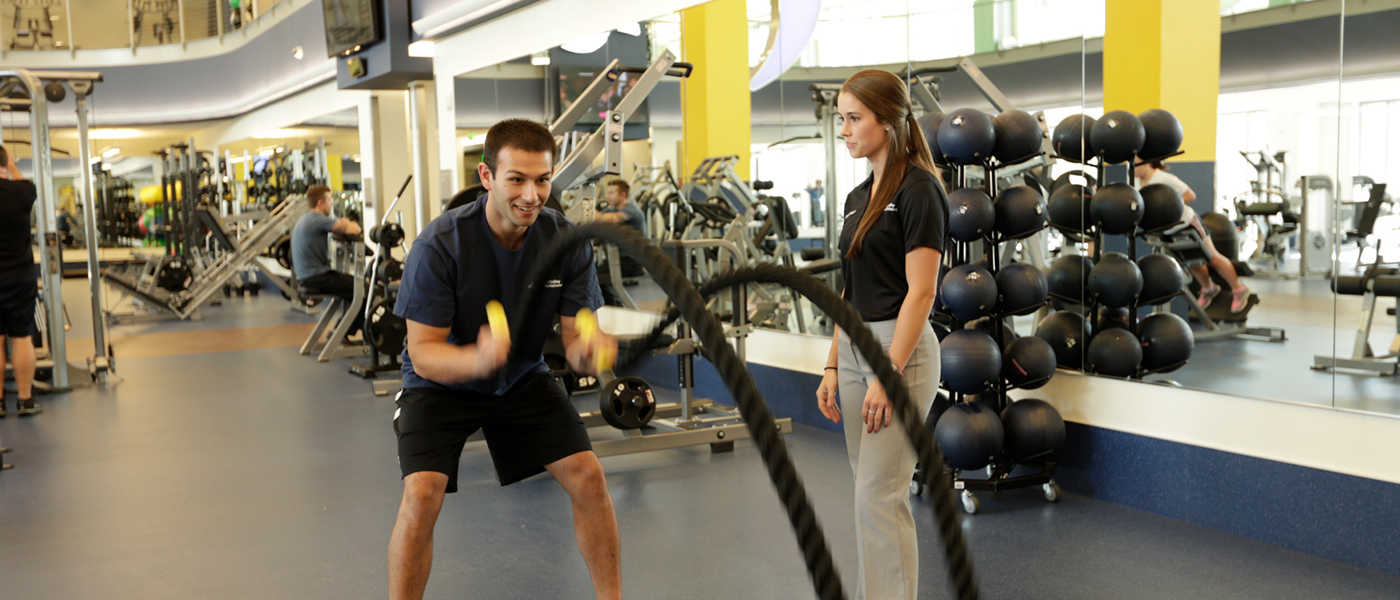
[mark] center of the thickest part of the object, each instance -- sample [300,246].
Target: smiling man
[457,379]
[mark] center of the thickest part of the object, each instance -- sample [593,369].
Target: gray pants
[883,464]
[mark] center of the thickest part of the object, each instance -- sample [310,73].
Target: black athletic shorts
[17,306]
[532,425]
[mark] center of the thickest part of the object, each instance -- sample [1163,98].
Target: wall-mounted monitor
[574,80]
[351,25]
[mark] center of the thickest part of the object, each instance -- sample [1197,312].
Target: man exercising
[311,251]
[456,376]
[19,284]
[620,210]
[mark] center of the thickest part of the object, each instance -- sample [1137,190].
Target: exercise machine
[1184,243]
[1377,280]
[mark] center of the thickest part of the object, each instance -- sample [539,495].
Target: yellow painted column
[1166,54]
[715,103]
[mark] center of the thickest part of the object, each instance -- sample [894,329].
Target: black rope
[690,304]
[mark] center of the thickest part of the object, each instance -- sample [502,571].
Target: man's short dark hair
[521,134]
[315,193]
[621,185]
[4,157]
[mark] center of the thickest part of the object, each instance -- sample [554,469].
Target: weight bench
[1376,281]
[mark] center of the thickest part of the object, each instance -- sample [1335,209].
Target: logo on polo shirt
[554,283]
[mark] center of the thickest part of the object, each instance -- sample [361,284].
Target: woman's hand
[877,409]
[826,396]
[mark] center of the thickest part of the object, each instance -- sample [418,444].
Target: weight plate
[627,403]
[388,332]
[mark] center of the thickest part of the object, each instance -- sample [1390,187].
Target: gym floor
[226,466]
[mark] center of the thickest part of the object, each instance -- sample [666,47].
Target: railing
[70,25]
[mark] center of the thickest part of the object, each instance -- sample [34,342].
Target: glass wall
[98,24]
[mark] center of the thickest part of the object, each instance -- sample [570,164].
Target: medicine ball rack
[1000,468]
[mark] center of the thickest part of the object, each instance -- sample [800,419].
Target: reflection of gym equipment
[1365,221]
[36,26]
[163,28]
[1277,223]
[1377,280]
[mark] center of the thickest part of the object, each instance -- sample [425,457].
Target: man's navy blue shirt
[457,266]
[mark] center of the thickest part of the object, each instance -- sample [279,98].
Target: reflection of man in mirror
[1156,172]
[815,192]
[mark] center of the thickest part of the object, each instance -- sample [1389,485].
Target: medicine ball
[970,435]
[55,92]
[1066,332]
[1115,281]
[1028,362]
[1116,208]
[929,124]
[1161,206]
[1069,209]
[1222,232]
[971,214]
[966,136]
[1071,138]
[1118,135]
[1166,342]
[1020,212]
[989,326]
[1021,289]
[970,360]
[1018,136]
[1162,134]
[1114,352]
[969,291]
[1109,317]
[1068,277]
[1031,427]
[1162,278]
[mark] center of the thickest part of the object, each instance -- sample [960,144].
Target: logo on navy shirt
[554,283]
[891,207]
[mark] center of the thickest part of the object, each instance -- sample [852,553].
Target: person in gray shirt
[620,210]
[311,250]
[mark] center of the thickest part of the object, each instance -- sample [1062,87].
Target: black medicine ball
[1031,427]
[1021,289]
[1018,136]
[1115,280]
[1166,342]
[1161,207]
[969,291]
[1109,317]
[970,361]
[969,434]
[1028,362]
[1071,138]
[1020,212]
[1162,134]
[1069,209]
[929,123]
[1116,208]
[1118,135]
[966,136]
[1162,278]
[971,214]
[1114,352]
[1066,333]
[1068,277]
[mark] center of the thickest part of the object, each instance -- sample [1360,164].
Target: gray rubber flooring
[262,474]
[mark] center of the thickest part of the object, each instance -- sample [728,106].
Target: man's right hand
[491,353]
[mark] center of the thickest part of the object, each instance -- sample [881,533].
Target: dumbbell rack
[999,470]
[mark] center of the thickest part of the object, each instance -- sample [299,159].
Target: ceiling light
[95,160]
[267,152]
[115,134]
[110,152]
[632,29]
[106,167]
[422,49]
[539,59]
[298,52]
[587,44]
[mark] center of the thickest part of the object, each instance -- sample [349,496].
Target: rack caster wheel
[970,503]
[1052,491]
[916,488]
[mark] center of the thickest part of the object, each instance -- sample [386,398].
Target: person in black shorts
[19,284]
[456,376]
[311,261]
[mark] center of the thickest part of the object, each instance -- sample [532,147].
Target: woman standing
[891,245]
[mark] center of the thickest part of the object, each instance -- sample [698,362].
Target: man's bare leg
[24,359]
[411,544]
[595,523]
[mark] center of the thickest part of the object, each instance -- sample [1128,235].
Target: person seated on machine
[620,210]
[1155,171]
[311,251]
[458,378]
